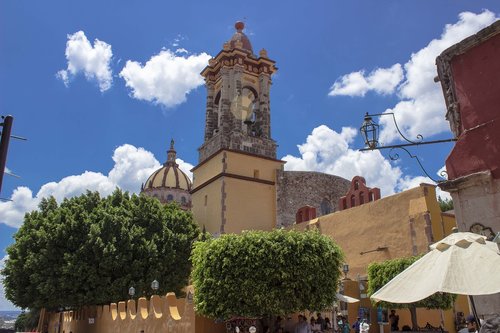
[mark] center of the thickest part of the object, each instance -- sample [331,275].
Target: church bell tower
[234,181]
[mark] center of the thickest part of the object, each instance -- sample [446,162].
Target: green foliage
[27,321]
[259,273]
[381,273]
[445,204]
[90,250]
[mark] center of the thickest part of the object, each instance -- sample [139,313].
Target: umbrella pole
[474,311]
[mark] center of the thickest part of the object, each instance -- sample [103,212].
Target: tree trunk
[414,323]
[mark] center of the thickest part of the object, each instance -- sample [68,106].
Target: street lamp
[131,292]
[370,132]
[345,269]
[155,285]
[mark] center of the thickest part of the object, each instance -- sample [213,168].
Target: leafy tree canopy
[381,273]
[90,250]
[257,273]
[445,204]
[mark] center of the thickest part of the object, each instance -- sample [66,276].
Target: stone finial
[171,153]
[227,46]
[239,26]
[263,53]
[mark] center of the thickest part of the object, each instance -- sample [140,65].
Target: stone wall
[295,189]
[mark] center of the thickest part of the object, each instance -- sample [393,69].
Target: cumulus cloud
[92,61]
[326,150]
[421,109]
[166,78]
[381,80]
[132,167]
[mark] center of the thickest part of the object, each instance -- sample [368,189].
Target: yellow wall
[208,215]
[243,198]
[385,223]
[159,314]
[250,206]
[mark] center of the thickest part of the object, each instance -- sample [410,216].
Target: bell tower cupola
[238,105]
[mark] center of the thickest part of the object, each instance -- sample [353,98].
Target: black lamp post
[370,132]
[155,285]
[131,292]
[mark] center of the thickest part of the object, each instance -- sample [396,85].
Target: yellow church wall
[206,206]
[381,223]
[207,170]
[389,228]
[246,165]
[249,206]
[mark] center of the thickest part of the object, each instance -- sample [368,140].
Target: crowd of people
[318,324]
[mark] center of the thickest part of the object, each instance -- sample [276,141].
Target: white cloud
[381,80]
[328,151]
[93,61]
[421,109]
[166,78]
[132,167]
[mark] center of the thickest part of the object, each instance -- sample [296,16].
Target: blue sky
[100,87]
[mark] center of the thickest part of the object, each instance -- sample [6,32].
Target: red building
[469,73]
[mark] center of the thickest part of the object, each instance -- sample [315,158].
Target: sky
[100,87]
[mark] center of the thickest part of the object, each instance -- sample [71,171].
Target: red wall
[476,76]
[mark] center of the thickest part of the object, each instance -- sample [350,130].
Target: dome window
[170,197]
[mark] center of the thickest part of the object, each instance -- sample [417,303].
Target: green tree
[258,274]
[27,321]
[90,250]
[379,274]
[445,204]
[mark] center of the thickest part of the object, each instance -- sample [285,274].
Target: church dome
[240,36]
[169,183]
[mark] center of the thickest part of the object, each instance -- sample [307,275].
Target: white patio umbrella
[461,263]
[347,299]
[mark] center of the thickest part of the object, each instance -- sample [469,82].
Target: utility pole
[4,144]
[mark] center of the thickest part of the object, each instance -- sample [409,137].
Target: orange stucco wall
[397,223]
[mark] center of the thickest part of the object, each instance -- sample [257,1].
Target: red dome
[239,35]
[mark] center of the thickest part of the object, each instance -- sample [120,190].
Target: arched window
[170,197]
[370,196]
[183,200]
[353,200]
[356,185]
[326,207]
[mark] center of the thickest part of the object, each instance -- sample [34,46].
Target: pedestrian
[394,320]
[471,325]
[321,321]
[302,326]
[356,324]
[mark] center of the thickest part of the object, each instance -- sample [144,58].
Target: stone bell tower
[238,108]
[234,182]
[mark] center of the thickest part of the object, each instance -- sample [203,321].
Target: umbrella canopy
[462,263]
[347,299]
